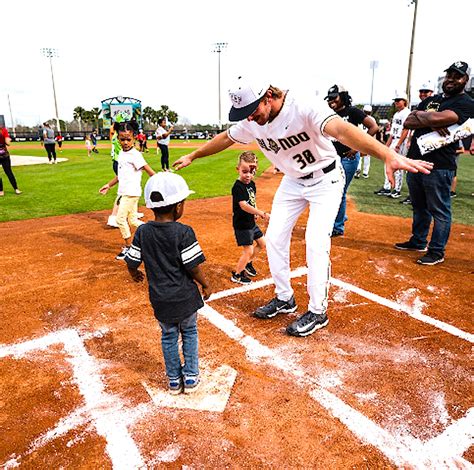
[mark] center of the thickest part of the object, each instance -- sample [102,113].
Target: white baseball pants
[323,195]
[366,162]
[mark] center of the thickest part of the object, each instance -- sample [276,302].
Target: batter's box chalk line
[412,311]
[403,450]
[212,394]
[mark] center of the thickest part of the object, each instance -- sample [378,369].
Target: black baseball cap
[460,67]
[334,91]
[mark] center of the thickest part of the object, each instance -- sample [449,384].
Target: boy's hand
[137,275]
[206,292]
[265,216]
[104,189]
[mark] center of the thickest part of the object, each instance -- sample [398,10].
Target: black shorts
[248,236]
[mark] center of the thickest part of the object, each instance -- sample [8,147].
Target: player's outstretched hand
[104,189]
[183,162]
[399,162]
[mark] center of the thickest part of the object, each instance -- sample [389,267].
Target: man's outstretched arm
[217,144]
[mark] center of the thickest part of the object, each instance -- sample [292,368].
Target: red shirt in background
[5,132]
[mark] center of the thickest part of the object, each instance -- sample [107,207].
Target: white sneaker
[140,215]
[112,221]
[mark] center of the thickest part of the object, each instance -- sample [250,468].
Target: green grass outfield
[72,187]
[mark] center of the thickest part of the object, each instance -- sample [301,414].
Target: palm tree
[78,115]
[95,114]
[148,114]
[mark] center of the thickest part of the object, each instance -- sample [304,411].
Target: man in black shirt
[430,194]
[340,101]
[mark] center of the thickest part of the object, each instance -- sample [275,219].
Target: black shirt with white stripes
[169,250]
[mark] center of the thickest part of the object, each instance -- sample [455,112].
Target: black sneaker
[122,254]
[240,278]
[357,174]
[406,201]
[307,324]
[382,192]
[250,270]
[275,306]
[409,246]
[453,194]
[395,194]
[430,259]
[337,233]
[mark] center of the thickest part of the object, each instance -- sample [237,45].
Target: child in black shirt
[244,206]
[172,258]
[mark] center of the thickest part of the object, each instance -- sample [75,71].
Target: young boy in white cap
[172,258]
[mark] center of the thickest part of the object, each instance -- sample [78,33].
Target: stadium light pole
[412,45]
[11,116]
[373,65]
[219,47]
[50,53]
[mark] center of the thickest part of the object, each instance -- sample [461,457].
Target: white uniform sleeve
[319,114]
[240,133]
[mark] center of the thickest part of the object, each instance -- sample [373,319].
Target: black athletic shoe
[357,174]
[307,324]
[337,233]
[274,307]
[453,194]
[394,194]
[123,253]
[430,259]
[240,278]
[383,192]
[406,201]
[250,270]
[409,246]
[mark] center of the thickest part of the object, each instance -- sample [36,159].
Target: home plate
[212,394]
[20,160]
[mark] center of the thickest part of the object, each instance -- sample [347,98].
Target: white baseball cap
[164,189]
[367,108]
[245,98]
[400,95]
[426,86]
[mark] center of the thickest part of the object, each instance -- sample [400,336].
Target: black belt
[324,170]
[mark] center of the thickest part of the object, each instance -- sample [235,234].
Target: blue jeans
[350,167]
[430,198]
[169,344]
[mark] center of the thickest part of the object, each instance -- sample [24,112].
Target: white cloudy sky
[161,52]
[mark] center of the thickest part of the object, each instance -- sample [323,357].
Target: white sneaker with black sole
[307,324]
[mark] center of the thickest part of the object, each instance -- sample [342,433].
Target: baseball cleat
[274,307]
[382,192]
[307,324]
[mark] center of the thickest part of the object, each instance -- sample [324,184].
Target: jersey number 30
[304,158]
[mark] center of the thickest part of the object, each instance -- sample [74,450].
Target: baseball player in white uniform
[293,135]
[397,143]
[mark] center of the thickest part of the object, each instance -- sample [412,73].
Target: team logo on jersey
[433,106]
[273,146]
[252,199]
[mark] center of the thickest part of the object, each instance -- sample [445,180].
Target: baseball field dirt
[387,384]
